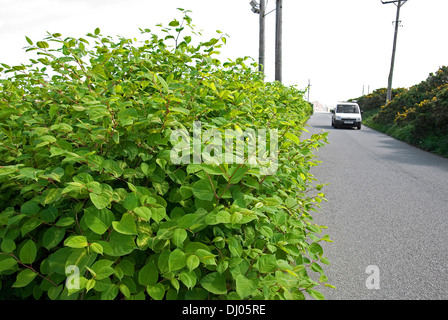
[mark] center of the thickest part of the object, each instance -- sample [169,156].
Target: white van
[346,114]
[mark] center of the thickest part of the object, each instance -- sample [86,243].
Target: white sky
[340,45]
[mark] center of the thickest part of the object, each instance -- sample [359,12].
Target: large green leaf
[96,248]
[131,201]
[177,260]
[28,252]
[42,44]
[80,258]
[186,221]
[292,137]
[56,261]
[214,283]
[118,244]
[148,275]
[236,173]
[244,286]
[102,269]
[192,262]
[126,225]
[76,242]
[24,278]
[316,294]
[267,263]
[203,190]
[29,208]
[158,212]
[8,245]
[98,220]
[217,217]
[52,237]
[29,225]
[113,167]
[179,236]
[162,262]
[316,248]
[157,291]
[7,263]
[143,212]
[188,279]
[52,196]
[110,293]
[100,201]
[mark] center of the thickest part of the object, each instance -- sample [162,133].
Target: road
[387,208]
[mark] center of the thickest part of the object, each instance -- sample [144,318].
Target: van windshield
[347,108]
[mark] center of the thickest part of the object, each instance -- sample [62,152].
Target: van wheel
[359,126]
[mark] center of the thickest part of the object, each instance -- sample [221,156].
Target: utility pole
[399,4]
[262,36]
[260,8]
[278,41]
[309,88]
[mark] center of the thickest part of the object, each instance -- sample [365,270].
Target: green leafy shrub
[422,110]
[417,115]
[373,101]
[91,205]
[413,97]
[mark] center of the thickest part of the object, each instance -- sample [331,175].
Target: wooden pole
[309,88]
[262,36]
[278,41]
[392,64]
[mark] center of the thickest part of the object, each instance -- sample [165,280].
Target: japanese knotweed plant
[92,205]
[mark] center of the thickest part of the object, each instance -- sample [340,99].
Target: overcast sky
[340,45]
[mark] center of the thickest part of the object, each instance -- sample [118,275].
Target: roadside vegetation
[417,115]
[92,205]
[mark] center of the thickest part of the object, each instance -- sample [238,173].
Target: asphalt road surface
[387,213]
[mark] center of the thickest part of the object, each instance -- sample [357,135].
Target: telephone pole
[309,88]
[278,41]
[260,8]
[262,36]
[399,4]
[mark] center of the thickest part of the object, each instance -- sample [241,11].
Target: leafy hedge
[372,102]
[87,183]
[417,115]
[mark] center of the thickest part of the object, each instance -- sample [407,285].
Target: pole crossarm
[402,2]
[257,8]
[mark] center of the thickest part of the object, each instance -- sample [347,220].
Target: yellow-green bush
[87,182]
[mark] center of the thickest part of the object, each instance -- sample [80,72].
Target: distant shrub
[373,101]
[418,115]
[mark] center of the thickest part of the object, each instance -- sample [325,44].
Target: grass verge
[434,144]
